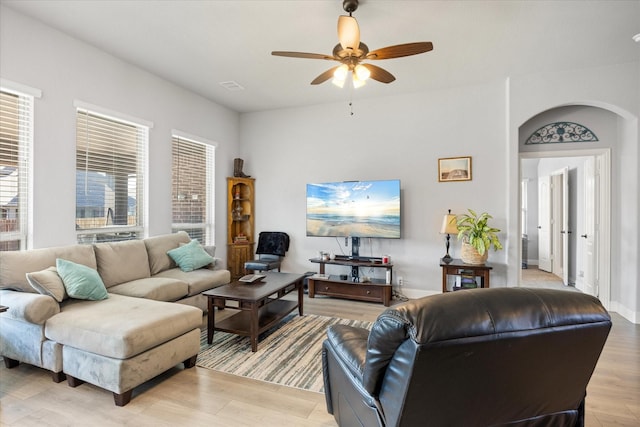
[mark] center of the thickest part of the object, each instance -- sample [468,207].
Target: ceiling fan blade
[324,76]
[379,74]
[400,50]
[302,55]
[348,32]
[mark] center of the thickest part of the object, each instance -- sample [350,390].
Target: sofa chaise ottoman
[122,342]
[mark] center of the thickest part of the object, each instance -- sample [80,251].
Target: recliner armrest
[387,334]
[343,354]
[350,345]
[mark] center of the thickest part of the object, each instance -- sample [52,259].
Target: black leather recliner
[481,357]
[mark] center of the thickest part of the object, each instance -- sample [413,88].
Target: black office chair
[272,246]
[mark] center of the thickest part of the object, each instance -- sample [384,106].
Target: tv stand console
[335,286]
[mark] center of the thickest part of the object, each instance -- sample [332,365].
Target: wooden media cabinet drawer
[373,292]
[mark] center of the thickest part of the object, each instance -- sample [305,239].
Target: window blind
[16,139]
[110,165]
[192,188]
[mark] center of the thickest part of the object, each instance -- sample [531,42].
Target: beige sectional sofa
[149,323]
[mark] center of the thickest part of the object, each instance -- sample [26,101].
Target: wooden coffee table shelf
[259,305]
[268,315]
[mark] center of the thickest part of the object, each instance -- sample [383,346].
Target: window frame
[143,127]
[209,225]
[26,108]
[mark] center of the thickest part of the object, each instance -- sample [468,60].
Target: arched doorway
[568,244]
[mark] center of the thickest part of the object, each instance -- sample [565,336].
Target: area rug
[288,354]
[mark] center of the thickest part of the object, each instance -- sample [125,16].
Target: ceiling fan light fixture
[357,82]
[362,72]
[340,75]
[341,72]
[348,32]
[338,82]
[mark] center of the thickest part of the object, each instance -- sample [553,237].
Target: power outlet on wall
[400,281]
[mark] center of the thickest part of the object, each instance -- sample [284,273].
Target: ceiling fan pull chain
[351,100]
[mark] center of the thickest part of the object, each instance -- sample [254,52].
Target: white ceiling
[198,44]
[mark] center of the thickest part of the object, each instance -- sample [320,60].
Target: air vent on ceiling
[231,85]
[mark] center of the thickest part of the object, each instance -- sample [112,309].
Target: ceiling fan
[351,53]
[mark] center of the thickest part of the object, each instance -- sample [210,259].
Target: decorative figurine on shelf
[237,195]
[237,168]
[237,213]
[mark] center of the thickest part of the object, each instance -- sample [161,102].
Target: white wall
[66,70]
[398,137]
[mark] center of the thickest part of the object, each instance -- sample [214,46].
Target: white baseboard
[416,293]
[630,315]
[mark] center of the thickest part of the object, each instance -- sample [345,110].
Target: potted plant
[477,237]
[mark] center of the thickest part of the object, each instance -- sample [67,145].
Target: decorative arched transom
[558,132]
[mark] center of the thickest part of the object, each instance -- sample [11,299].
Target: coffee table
[259,304]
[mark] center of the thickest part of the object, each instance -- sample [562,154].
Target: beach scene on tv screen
[354,209]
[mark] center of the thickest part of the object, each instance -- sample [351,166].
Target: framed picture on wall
[454,169]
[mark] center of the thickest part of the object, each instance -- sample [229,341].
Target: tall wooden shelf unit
[240,224]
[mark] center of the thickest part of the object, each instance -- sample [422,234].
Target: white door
[544,223]
[557,255]
[588,235]
[561,255]
[565,226]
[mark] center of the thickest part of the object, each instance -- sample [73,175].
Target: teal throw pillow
[191,256]
[80,281]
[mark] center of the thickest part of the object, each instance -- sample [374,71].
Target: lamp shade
[449,225]
[340,75]
[362,72]
[357,82]
[348,32]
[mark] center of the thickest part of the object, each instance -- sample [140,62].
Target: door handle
[539,227]
[561,231]
[583,235]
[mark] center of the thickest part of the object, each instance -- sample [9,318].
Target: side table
[457,266]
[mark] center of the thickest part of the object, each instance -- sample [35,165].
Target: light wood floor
[534,277]
[202,397]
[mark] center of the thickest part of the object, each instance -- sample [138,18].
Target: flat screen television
[354,209]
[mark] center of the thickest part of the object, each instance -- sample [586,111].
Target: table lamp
[449,227]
